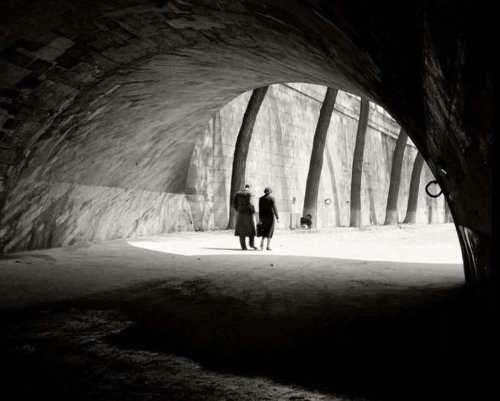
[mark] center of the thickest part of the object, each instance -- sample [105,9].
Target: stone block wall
[51,214]
[279,157]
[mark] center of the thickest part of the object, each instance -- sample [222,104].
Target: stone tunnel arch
[102,101]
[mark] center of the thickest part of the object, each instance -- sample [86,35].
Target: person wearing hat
[267,212]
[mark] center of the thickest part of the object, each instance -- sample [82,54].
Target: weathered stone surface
[57,214]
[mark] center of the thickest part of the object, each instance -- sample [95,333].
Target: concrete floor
[332,315]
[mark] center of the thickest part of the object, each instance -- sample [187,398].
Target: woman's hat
[268,190]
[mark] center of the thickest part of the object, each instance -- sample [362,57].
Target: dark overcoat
[245,210]
[267,212]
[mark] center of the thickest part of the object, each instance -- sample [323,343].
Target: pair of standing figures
[245,221]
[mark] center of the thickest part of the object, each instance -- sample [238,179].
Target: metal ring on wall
[431,195]
[328,201]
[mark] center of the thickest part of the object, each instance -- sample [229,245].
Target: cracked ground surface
[190,317]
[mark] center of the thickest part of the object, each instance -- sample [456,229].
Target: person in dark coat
[267,212]
[245,220]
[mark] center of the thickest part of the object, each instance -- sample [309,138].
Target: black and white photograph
[249,200]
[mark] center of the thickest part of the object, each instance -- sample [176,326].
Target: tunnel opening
[279,154]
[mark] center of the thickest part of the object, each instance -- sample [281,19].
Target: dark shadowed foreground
[117,322]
